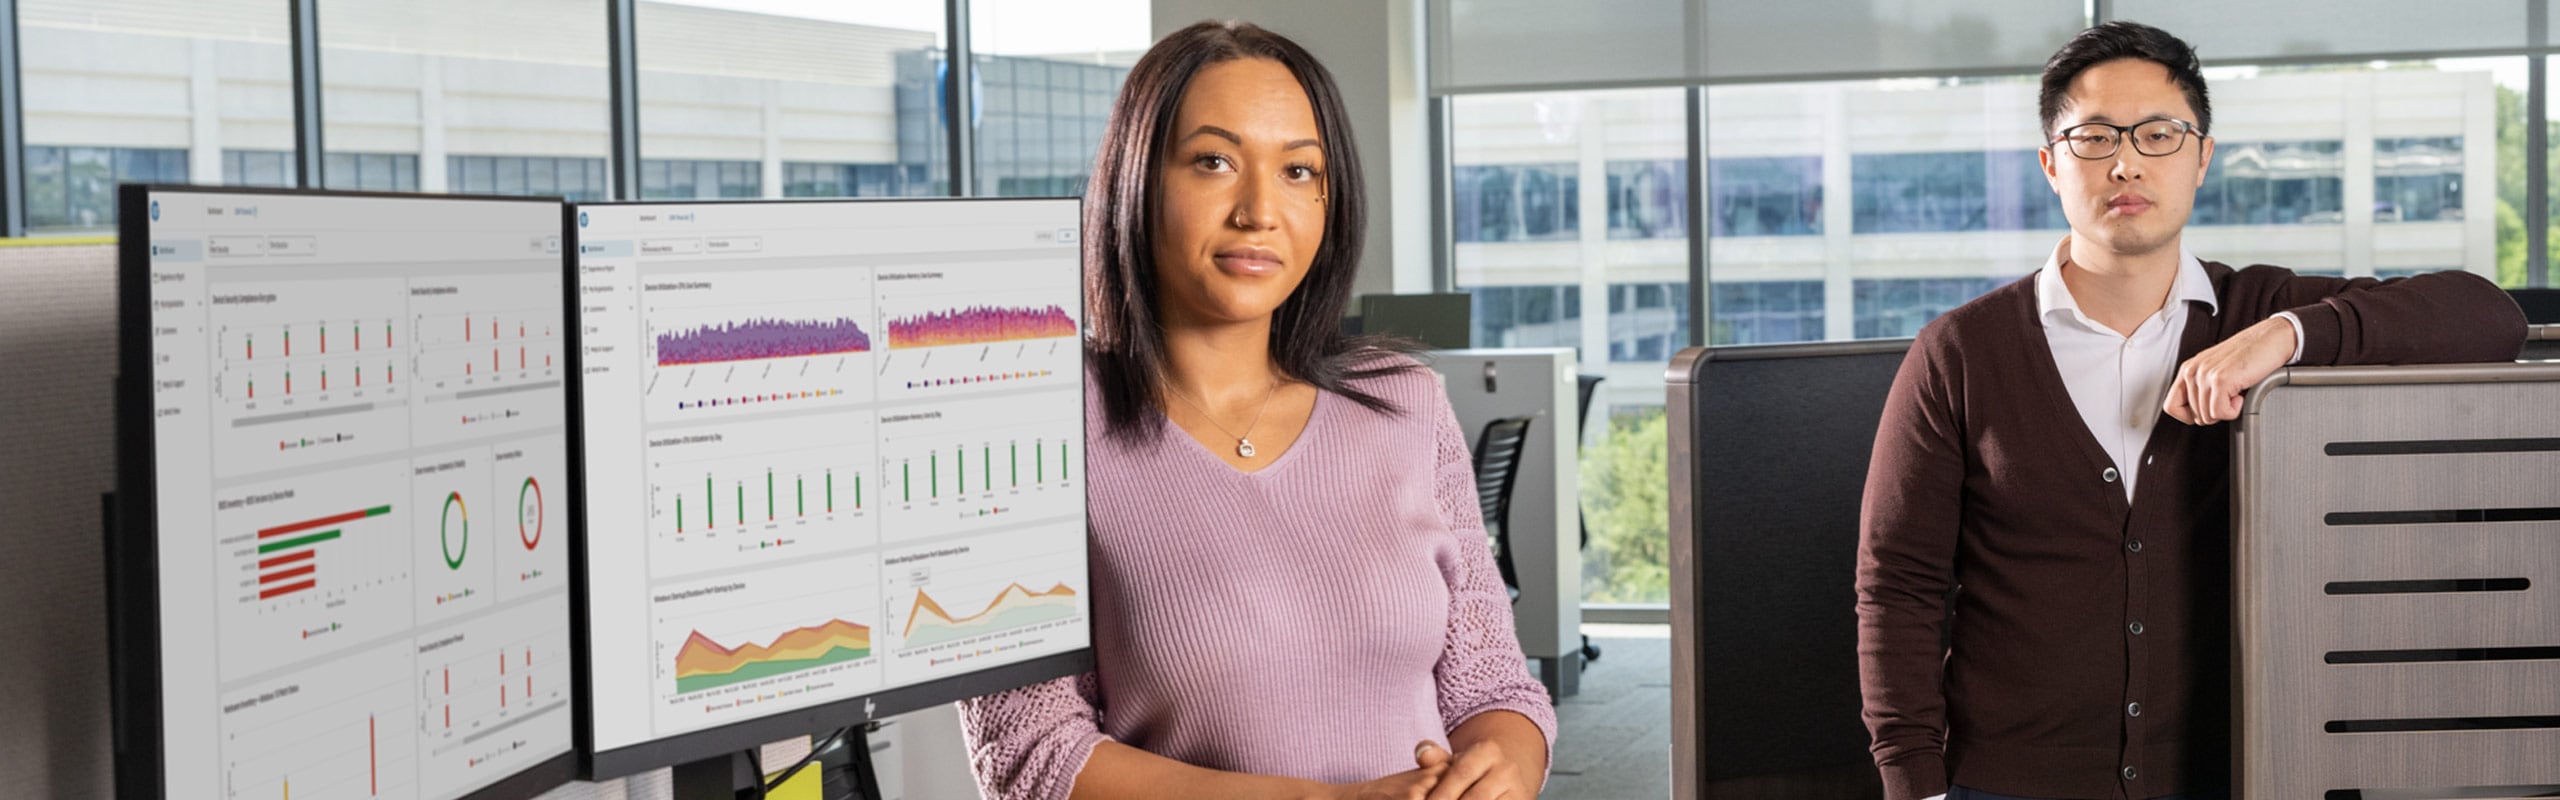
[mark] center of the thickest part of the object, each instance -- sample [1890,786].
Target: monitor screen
[833,461]
[344,566]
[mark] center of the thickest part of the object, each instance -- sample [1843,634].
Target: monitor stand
[732,776]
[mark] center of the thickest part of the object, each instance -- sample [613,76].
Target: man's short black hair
[2118,40]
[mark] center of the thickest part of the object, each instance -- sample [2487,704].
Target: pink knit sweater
[1314,619]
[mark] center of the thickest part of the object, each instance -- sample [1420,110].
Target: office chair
[2540,306]
[1498,452]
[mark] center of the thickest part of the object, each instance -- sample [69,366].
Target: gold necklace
[1244,445]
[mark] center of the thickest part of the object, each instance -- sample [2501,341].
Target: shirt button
[2133,710]
[2133,546]
[2130,773]
[2136,627]
[2109,475]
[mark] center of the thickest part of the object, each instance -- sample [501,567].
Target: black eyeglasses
[2151,137]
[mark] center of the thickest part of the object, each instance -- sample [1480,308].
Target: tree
[1626,501]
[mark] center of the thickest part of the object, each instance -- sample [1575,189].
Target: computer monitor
[833,461]
[1438,321]
[340,565]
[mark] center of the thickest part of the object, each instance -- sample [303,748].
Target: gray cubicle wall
[1769,448]
[2397,577]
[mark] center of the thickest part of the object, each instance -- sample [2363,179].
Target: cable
[816,747]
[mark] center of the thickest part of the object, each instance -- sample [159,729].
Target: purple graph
[760,338]
[979,325]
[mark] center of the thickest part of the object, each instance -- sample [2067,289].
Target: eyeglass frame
[2122,133]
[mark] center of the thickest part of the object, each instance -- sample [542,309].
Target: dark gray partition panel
[1769,448]
[2541,343]
[2397,576]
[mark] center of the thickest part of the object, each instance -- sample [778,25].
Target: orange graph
[1004,601]
[702,663]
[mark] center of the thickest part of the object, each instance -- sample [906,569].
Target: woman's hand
[1483,770]
[1430,764]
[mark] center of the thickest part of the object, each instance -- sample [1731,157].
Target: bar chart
[758,491]
[971,465]
[757,341]
[339,732]
[311,564]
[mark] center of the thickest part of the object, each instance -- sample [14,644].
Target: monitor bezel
[721,741]
[133,545]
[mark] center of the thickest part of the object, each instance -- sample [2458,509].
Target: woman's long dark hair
[1125,338]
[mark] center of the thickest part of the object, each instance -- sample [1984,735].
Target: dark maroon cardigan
[2076,605]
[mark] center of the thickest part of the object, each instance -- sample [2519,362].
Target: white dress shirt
[2119,382]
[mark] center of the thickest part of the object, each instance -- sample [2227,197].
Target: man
[2023,473]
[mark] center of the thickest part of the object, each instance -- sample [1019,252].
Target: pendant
[1244,447]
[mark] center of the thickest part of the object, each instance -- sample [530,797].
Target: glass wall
[144,90]
[1046,75]
[467,96]
[1570,215]
[779,98]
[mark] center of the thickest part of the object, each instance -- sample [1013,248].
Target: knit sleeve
[1030,743]
[1481,668]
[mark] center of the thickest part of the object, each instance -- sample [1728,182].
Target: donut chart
[529,514]
[453,507]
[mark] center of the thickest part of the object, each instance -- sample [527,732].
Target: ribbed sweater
[1314,619]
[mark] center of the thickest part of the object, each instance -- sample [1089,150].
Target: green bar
[906,485]
[742,502]
[1039,463]
[933,469]
[1062,460]
[857,489]
[679,513]
[710,504]
[831,491]
[986,468]
[768,495]
[800,495]
[960,468]
[1013,453]
[289,544]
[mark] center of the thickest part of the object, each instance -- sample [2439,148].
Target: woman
[1293,597]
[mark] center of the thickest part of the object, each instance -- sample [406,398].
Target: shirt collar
[2054,297]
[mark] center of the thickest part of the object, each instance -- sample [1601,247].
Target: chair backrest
[1498,452]
[2541,306]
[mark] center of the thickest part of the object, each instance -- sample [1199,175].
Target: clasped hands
[1482,771]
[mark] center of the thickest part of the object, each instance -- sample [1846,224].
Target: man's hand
[1483,771]
[2207,389]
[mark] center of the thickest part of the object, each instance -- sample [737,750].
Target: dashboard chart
[358,418]
[841,462]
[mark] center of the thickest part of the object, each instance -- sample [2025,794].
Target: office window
[2417,179]
[699,180]
[1957,191]
[73,189]
[408,87]
[732,92]
[1900,307]
[257,168]
[1765,312]
[1525,243]
[1047,73]
[578,179]
[107,91]
[1647,321]
[2273,183]
[1527,316]
[1521,202]
[374,172]
[843,180]
[1766,196]
[1649,199]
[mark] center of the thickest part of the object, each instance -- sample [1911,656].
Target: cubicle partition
[2397,577]
[1769,448]
[2541,343]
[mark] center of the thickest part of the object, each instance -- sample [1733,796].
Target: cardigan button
[2109,475]
[2133,546]
[2135,627]
[2130,773]
[2133,709]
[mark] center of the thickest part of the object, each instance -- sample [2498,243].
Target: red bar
[528,687]
[324,341]
[287,558]
[519,358]
[285,590]
[493,357]
[448,717]
[322,522]
[295,572]
[372,761]
[502,695]
[528,656]
[448,681]
[466,328]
